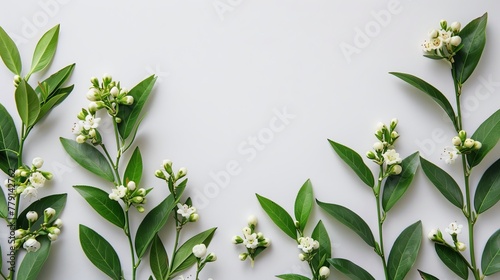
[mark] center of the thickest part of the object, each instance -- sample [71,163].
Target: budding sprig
[28,180]
[173,180]
[443,43]
[383,151]
[200,251]
[461,145]
[254,242]
[131,195]
[27,238]
[453,230]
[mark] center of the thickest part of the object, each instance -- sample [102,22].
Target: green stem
[381,219]
[198,270]
[131,245]
[312,270]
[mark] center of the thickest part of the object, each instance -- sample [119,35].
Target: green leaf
[355,161]
[131,114]
[158,259]
[473,39]
[431,91]
[89,158]
[45,50]
[350,269]
[303,204]
[395,186]
[9,141]
[54,101]
[28,105]
[33,262]
[488,133]
[56,201]
[100,252]
[351,220]
[10,53]
[152,223]
[3,205]
[427,276]
[49,86]
[184,257]
[325,247]
[292,277]
[443,182]
[133,172]
[490,261]
[109,209]
[404,252]
[453,260]
[279,216]
[488,189]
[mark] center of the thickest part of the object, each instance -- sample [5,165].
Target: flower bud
[58,223]
[118,120]
[93,94]
[106,78]
[433,34]
[477,145]
[396,169]
[93,107]
[17,80]
[247,231]
[460,246]
[324,272]
[48,213]
[182,172]
[114,91]
[370,155]
[94,81]
[468,143]
[131,186]
[32,216]
[443,24]
[37,162]
[52,236]
[252,220]
[237,240]
[260,235]
[160,174]
[54,230]
[137,199]
[302,257]
[128,100]
[462,134]
[200,250]
[167,165]
[20,233]
[194,217]
[394,135]
[31,245]
[455,26]
[243,256]
[394,123]
[267,242]
[123,91]
[81,139]
[212,257]
[455,41]
[140,209]
[456,141]
[141,192]
[378,146]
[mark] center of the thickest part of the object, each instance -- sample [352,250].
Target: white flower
[91,122]
[118,193]
[184,210]
[468,143]
[49,212]
[427,46]
[307,244]
[391,157]
[449,155]
[445,36]
[37,180]
[32,216]
[29,192]
[396,169]
[247,231]
[324,272]
[302,257]
[52,236]
[251,241]
[378,146]
[128,100]
[433,33]
[455,41]
[454,228]
[252,220]
[31,245]
[199,250]
[37,162]
[436,43]
[58,223]
[455,26]
[77,128]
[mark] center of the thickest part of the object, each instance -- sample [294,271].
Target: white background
[222,76]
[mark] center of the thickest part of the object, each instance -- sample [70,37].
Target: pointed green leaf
[303,204]
[279,216]
[355,161]
[427,276]
[431,91]
[109,209]
[488,133]
[49,86]
[325,247]
[9,141]
[395,186]
[3,205]
[28,105]
[490,261]
[351,220]
[32,263]
[133,172]
[473,39]
[292,277]
[54,101]
[10,53]
[488,189]
[100,252]
[55,201]
[443,182]
[45,50]
[184,257]
[453,260]
[404,252]
[131,114]
[158,259]
[152,223]
[350,269]
[89,158]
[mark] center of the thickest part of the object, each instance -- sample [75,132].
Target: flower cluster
[383,150]
[443,43]
[461,145]
[308,246]
[254,242]
[107,95]
[28,180]
[453,230]
[174,180]
[27,238]
[131,195]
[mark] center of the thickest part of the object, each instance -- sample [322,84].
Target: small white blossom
[378,146]
[31,245]
[432,234]
[445,36]
[131,185]
[460,246]
[468,143]
[455,26]
[455,41]
[37,180]
[251,241]
[118,193]
[307,244]
[185,211]
[200,250]
[52,236]
[247,231]
[80,139]
[456,141]
[449,155]
[37,162]
[114,91]
[29,192]
[91,122]
[454,228]
[58,223]
[391,157]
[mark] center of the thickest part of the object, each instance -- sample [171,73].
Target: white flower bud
[324,272]
[302,257]
[396,169]
[32,216]
[182,172]
[212,257]
[380,126]
[199,250]
[456,141]
[267,242]
[106,78]
[394,135]
[460,246]
[432,234]
[94,81]
[252,220]
[31,245]
[37,162]
[48,213]
[468,143]
[124,91]
[237,240]
[433,33]
[93,107]
[194,217]
[80,139]
[114,91]
[477,145]
[93,94]
[378,146]
[58,223]
[17,80]
[52,236]
[455,41]
[247,231]
[243,256]
[128,100]
[455,26]
[131,185]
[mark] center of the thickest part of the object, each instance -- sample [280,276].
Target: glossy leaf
[53,102]
[443,182]
[351,220]
[488,133]
[350,269]
[395,186]
[152,223]
[131,114]
[9,141]
[133,172]
[279,216]
[109,209]
[28,105]
[10,53]
[184,257]
[32,263]
[3,205]
[488,189]
[88,157]
[55,201]
[490,261]
[325,247]
[303,204]
[404,252]
[158,259]
[453,260]
[292,277]
[355,161]
[427,276]
[473,39]
[48,87]
[431,91]
[45,50]
[100,252]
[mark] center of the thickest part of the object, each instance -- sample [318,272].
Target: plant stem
[129,237]
[380,221]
